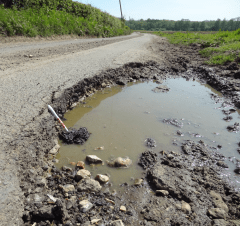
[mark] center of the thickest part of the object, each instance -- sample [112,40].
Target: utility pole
[121,9]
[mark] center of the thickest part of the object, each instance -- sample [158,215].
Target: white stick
[56,116]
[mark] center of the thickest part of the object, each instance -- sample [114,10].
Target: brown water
[120,120]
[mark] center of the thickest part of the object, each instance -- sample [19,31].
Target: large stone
[217,213]
[88,184]
[121,162]
[102,178]
[218,202]
[186,208]
[85,205]
[68,187]
[116,223]
[93,159]
[82,174]
[55,149]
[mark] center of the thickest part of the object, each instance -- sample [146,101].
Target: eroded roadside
[198,198]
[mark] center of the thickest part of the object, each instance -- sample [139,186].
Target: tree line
[183,25]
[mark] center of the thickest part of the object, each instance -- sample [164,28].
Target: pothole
[182,123]
[121,119]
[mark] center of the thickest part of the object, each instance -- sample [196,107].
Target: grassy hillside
[219,47]
[57,17]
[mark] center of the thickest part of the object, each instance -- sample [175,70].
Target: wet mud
[176,188]
[74,136]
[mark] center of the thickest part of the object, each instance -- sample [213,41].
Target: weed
[220,47]
[47,22]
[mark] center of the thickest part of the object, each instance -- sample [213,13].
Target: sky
[194,10]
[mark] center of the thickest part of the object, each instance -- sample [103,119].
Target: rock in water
[75,136]
[150,143]
[82,174]
[55,149]
[121,162]
[161,88]
[235,128]
[93,159]
[173,122]
[102,178]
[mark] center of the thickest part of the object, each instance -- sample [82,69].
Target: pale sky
[194,10]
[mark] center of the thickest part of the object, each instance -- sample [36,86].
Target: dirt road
[29,76]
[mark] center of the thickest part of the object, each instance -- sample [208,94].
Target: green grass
[44,22]
[219,48]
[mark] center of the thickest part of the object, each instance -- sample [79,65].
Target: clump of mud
[234,128]
[148,159]
[173,122]
[150,143]
[75,136]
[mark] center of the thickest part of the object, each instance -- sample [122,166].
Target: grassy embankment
[218,47]
[74,19]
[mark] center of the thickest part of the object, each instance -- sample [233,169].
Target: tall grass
[219,48]
[45,22]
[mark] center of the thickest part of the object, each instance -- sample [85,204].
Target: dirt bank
[177,189]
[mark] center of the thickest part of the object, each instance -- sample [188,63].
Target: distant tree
[195,26]
[230,25]
[181,24]
[202,26]
[223,25]
[186,25]
[217,24]
[177,26]
[237,24]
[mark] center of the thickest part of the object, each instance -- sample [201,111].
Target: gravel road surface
[28,82]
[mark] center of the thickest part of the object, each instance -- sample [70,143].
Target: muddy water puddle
[122,118]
